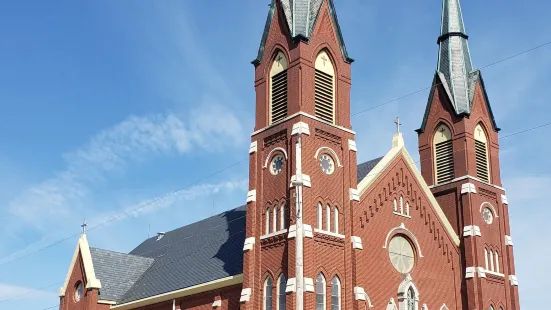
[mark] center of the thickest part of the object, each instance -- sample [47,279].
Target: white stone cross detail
[84,226]
[397,122]
[324,59]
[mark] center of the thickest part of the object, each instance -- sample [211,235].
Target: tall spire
[301,17]
[454,59]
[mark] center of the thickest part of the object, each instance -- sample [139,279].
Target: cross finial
[397,122]
[279,58]
[84,226]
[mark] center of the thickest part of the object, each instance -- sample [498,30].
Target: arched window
[320,216]
[443,154]
[491,307]
[497,261]
[401,205]
[492,260]
[485,259]
[268,221]
[481,150]
[276,218]
[407,208]
[335,293]
[278,88]
[336,220]
[325,88]
[320,292]
[268,294]
[283,220]
[395,206]
[281,297]
[410,303]
[328,218]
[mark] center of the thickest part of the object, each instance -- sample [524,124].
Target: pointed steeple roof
[301,17]
[455,69]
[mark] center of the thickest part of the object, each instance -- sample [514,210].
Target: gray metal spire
[301,17]
[454,59]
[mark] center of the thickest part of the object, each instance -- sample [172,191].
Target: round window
[78,291]
[402,255]
[327,164]
[277,164]
[488,216]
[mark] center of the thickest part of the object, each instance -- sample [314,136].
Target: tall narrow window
[268,294]
[401,205]
[320,216]
[411,299]
[407,208]
[283,220]
[492,260]
[268,220]
[320,292]
[336,220]
[485,258]
[335,294]
[481,150]
[395,206]
[276,218]
[281,298]
[325,88]
[443,154]
[497,261]
[328,218]
[278,89]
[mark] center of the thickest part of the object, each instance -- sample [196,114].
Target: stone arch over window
[278,88]
[320,292]
[272,152]
[481,151]
[281,296]
[335,293]
[326,149]
[324,87]
[408,294]
[443,154]
[268,290]
[489,206]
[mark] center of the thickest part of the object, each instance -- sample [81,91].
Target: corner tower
[302,181]
[459,151]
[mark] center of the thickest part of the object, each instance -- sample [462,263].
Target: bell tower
[302,168]
[459,151]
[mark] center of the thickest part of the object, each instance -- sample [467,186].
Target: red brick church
[320,231]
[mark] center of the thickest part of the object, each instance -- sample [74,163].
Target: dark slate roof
[455,70]
[201,252]
[117,271]
[301,17]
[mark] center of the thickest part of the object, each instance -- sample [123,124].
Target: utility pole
[299,232]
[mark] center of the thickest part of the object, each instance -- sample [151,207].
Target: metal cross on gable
[84,226]
[397,122]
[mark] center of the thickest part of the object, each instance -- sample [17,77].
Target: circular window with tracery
[327,164]
[402,254]
[78,291]
[488,216]
[277,164]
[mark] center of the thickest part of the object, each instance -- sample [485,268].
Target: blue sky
[107,105]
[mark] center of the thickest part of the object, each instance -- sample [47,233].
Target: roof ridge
[117,252]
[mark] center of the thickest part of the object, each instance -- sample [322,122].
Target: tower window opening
[278,89]
[443,154]
[324,88]
[481,151]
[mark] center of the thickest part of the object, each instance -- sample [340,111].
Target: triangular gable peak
[83,250]
[399,152]
[301,18]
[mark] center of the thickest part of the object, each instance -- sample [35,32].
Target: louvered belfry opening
[481,161]
[324,96]
[279,96]
[444,161]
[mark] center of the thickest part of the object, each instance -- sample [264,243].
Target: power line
[240,217]
[243,160]
[437,84]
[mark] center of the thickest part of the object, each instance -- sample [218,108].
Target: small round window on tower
[327,164]
[277,164]
[488,216]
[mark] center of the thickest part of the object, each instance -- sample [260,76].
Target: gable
[82,253]
[425,198]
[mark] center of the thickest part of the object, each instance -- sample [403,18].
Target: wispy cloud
[114,149]
[8,291]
